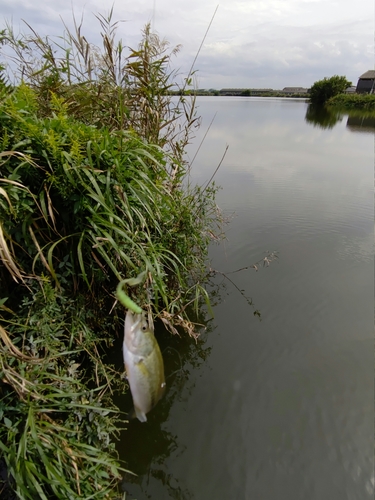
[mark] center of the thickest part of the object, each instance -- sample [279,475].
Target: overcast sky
[253,43]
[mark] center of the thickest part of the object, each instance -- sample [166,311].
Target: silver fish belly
[143,363]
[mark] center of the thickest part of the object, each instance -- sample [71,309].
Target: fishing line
[179,356]
[153,18]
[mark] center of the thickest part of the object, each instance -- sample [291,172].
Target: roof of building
[285,89]
[242,90]
[368,74]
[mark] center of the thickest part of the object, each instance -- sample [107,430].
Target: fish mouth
[135,319]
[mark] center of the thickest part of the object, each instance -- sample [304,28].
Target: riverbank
[244,93]
[364,102]
[91,193]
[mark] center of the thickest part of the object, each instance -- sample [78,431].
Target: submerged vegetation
[93,190]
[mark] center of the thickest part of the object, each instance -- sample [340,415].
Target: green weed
[93,191]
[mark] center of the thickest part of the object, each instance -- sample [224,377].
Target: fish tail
[140,414]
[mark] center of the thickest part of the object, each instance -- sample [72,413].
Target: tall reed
[92,191]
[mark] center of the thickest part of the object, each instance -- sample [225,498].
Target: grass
[92,192]
[57,420]
[364,102]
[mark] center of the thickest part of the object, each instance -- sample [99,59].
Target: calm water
[282,407]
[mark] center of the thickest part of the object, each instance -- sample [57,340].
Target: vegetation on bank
[353,101]
[323,90]
[272,93]
[93,190]
[331,92]
[245,93]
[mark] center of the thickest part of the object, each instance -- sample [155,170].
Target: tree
[322,90]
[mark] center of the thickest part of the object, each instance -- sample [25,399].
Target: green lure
[122,297]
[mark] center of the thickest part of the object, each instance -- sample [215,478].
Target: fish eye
[144,328]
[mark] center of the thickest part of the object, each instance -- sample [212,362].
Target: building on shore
[286,91]
[366,83]
[245,91]
[231,91]
[295,90]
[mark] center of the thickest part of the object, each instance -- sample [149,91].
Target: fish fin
[135,413]
[131,414]
[140,414]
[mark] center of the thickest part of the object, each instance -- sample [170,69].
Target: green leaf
[8,422]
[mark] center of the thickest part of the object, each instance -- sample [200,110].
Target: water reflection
[322,117]
[361,123]
[327,118]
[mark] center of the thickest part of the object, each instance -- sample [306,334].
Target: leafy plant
[93,189]
[125,193]
[56,436]
[364,102]
[322,90]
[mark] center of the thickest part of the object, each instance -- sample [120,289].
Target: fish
[143,364]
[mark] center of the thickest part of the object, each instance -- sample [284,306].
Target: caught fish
[143,363]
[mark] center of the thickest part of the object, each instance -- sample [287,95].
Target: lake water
[279,407]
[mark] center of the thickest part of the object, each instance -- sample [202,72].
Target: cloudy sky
[251,44]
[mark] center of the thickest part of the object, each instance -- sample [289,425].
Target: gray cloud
[269,43]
